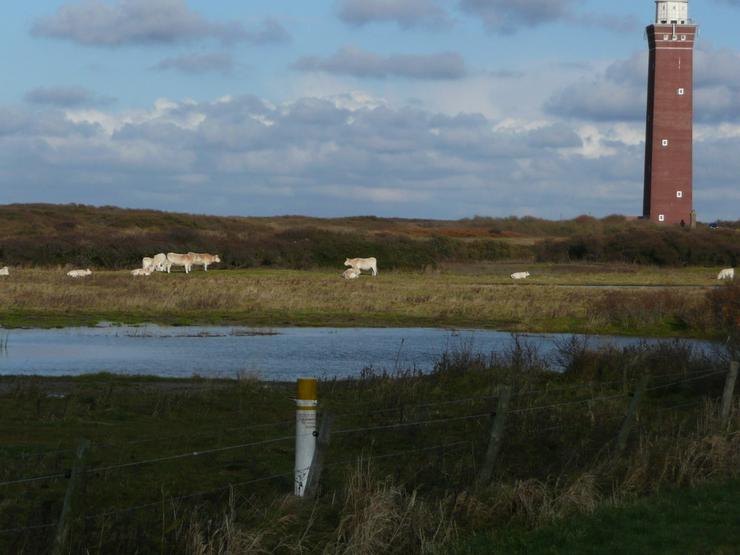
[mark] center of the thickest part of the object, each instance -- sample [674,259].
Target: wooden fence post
[728,392]
[317,463]
[629,417]
[497,432]
[70,498]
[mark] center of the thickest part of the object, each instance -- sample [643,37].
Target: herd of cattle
[164,262]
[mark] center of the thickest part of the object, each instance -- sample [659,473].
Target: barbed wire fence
[522,411]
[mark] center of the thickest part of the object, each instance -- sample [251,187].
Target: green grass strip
[705,519]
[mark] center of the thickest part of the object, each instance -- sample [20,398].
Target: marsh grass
[391,485]
[554,299]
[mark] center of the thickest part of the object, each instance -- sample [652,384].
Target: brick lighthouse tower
[668,133]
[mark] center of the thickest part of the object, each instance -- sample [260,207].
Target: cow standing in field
[204,259]
[727,273]
[4,271]
[175,259]
[159,261]
[79,273]
[520,275]
[363,264]
[147,264]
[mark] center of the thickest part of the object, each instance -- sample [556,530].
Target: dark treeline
[109,237]
[114,238]
[663,247]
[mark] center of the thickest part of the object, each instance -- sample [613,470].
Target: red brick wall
[668,169]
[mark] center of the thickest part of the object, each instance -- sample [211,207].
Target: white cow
[79,273]
[727,273]
[520,275]
[363,264]
[142,271]
[204,259]
[159,261]
[4,271]
[175,259]
[351,273]
[147,263]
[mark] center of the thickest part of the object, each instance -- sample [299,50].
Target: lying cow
[4,271]
[351,273]
[520,275]
[175,259]
[204,259]
[79,273]
[142,271]
[727,273]
[363,264]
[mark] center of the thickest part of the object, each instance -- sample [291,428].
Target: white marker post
[305,431]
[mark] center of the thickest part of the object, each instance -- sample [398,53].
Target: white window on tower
[679,194]
[664,142]
[661,218]
[666,37]
[683,37]
[680,91]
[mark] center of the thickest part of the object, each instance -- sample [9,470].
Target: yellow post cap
[307,389]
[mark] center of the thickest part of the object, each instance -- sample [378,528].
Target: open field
[605,298]
[205,466]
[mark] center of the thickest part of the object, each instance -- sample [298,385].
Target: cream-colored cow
[204,259]
[727,273]
[4,271]
[176,259]
[79,273]
[363,264]
[147,263]
[142,271]
[520,275]
[351,273]
[159,261]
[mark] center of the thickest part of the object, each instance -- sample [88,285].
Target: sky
[409,108]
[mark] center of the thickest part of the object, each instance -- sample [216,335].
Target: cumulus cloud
[360,63]
[66,97]
[507,16]
[218,62]
[405,13]
[97,23]
[331,156]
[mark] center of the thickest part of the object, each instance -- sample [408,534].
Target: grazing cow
[363,264]
[142,271]
[520,275]
[147,263]
[79,273]
[204,259]
[175,259]
[4,271]
[351,273]
[159,261]
[727,273]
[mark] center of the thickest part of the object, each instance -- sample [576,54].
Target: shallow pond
[270,354]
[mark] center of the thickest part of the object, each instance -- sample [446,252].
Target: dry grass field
[580,298]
